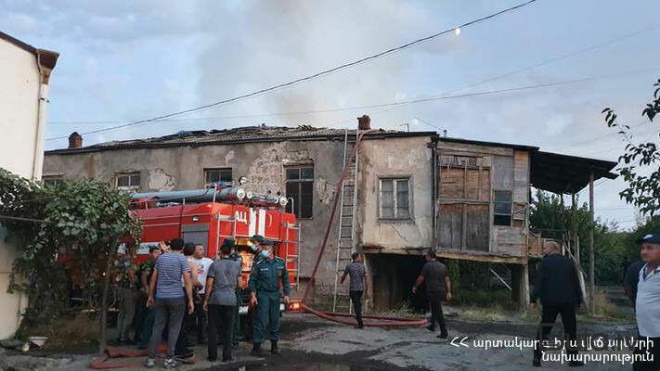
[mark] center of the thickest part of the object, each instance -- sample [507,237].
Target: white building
[24,73]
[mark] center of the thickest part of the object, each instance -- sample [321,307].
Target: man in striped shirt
[169,300]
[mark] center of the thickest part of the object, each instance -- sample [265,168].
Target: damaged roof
[246,134]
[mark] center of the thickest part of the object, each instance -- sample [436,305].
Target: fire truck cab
[209,216]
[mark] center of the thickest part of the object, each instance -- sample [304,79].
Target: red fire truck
[209,216]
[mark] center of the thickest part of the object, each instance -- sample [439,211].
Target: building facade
[25,75]
[415,191]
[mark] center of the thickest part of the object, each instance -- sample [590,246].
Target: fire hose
[380,321]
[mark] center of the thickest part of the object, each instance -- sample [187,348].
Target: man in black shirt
[438,287]
[557,284]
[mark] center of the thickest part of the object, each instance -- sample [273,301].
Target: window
[52,180]
[300,187]
[128,182]
[502,208]
[395,198]
[217,175]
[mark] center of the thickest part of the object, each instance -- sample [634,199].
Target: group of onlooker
[179,291]
[557,285]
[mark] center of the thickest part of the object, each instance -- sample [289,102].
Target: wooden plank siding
[467,177]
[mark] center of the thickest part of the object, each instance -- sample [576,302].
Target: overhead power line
[591,140]
[476,83]
[441,98]
[315,75]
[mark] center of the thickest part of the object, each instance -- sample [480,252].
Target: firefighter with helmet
[264,286]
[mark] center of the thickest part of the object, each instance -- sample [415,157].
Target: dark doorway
[393,278]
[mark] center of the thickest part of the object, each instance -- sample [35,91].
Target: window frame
[510,206]
[395,180]
[220,169]
[52,180]
[130,187]
[297,210]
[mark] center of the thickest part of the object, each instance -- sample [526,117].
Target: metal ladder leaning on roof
[346,226]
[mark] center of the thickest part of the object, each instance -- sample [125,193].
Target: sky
[130,60]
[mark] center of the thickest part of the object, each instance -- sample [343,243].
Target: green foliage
[553,219]
[454,273]
[75,228]
[631,247]
[486,297]
[643,189]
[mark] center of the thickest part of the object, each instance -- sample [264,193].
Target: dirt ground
[309,343]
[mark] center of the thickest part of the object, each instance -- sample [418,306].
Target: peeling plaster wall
[396,157]
[181,168]
[161,181]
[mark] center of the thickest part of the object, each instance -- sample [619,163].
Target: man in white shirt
[647,303]
[203,264]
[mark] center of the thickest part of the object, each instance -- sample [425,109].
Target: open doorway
[393,276]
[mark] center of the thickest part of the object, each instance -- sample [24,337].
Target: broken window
[218,175]
[395,198]
[502,204]
[128,181]
[52,180]
[300,187]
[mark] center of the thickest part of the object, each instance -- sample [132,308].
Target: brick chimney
[364,122]
[75,140]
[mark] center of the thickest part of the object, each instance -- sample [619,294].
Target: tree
[553,219]
[67,233]
[643,189]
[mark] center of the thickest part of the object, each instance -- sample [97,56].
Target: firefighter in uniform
[257,241]
[264,288]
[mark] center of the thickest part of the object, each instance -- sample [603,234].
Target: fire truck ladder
[294,258]
[346,227]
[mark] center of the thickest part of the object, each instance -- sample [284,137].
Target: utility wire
[430,124]
[313,76]
[573,144]
[609,149]
[432,99]
[476,83]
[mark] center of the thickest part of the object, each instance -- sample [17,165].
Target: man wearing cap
[264,288]
[647,304]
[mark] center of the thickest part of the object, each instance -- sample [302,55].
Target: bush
[484,298]
[68,332]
